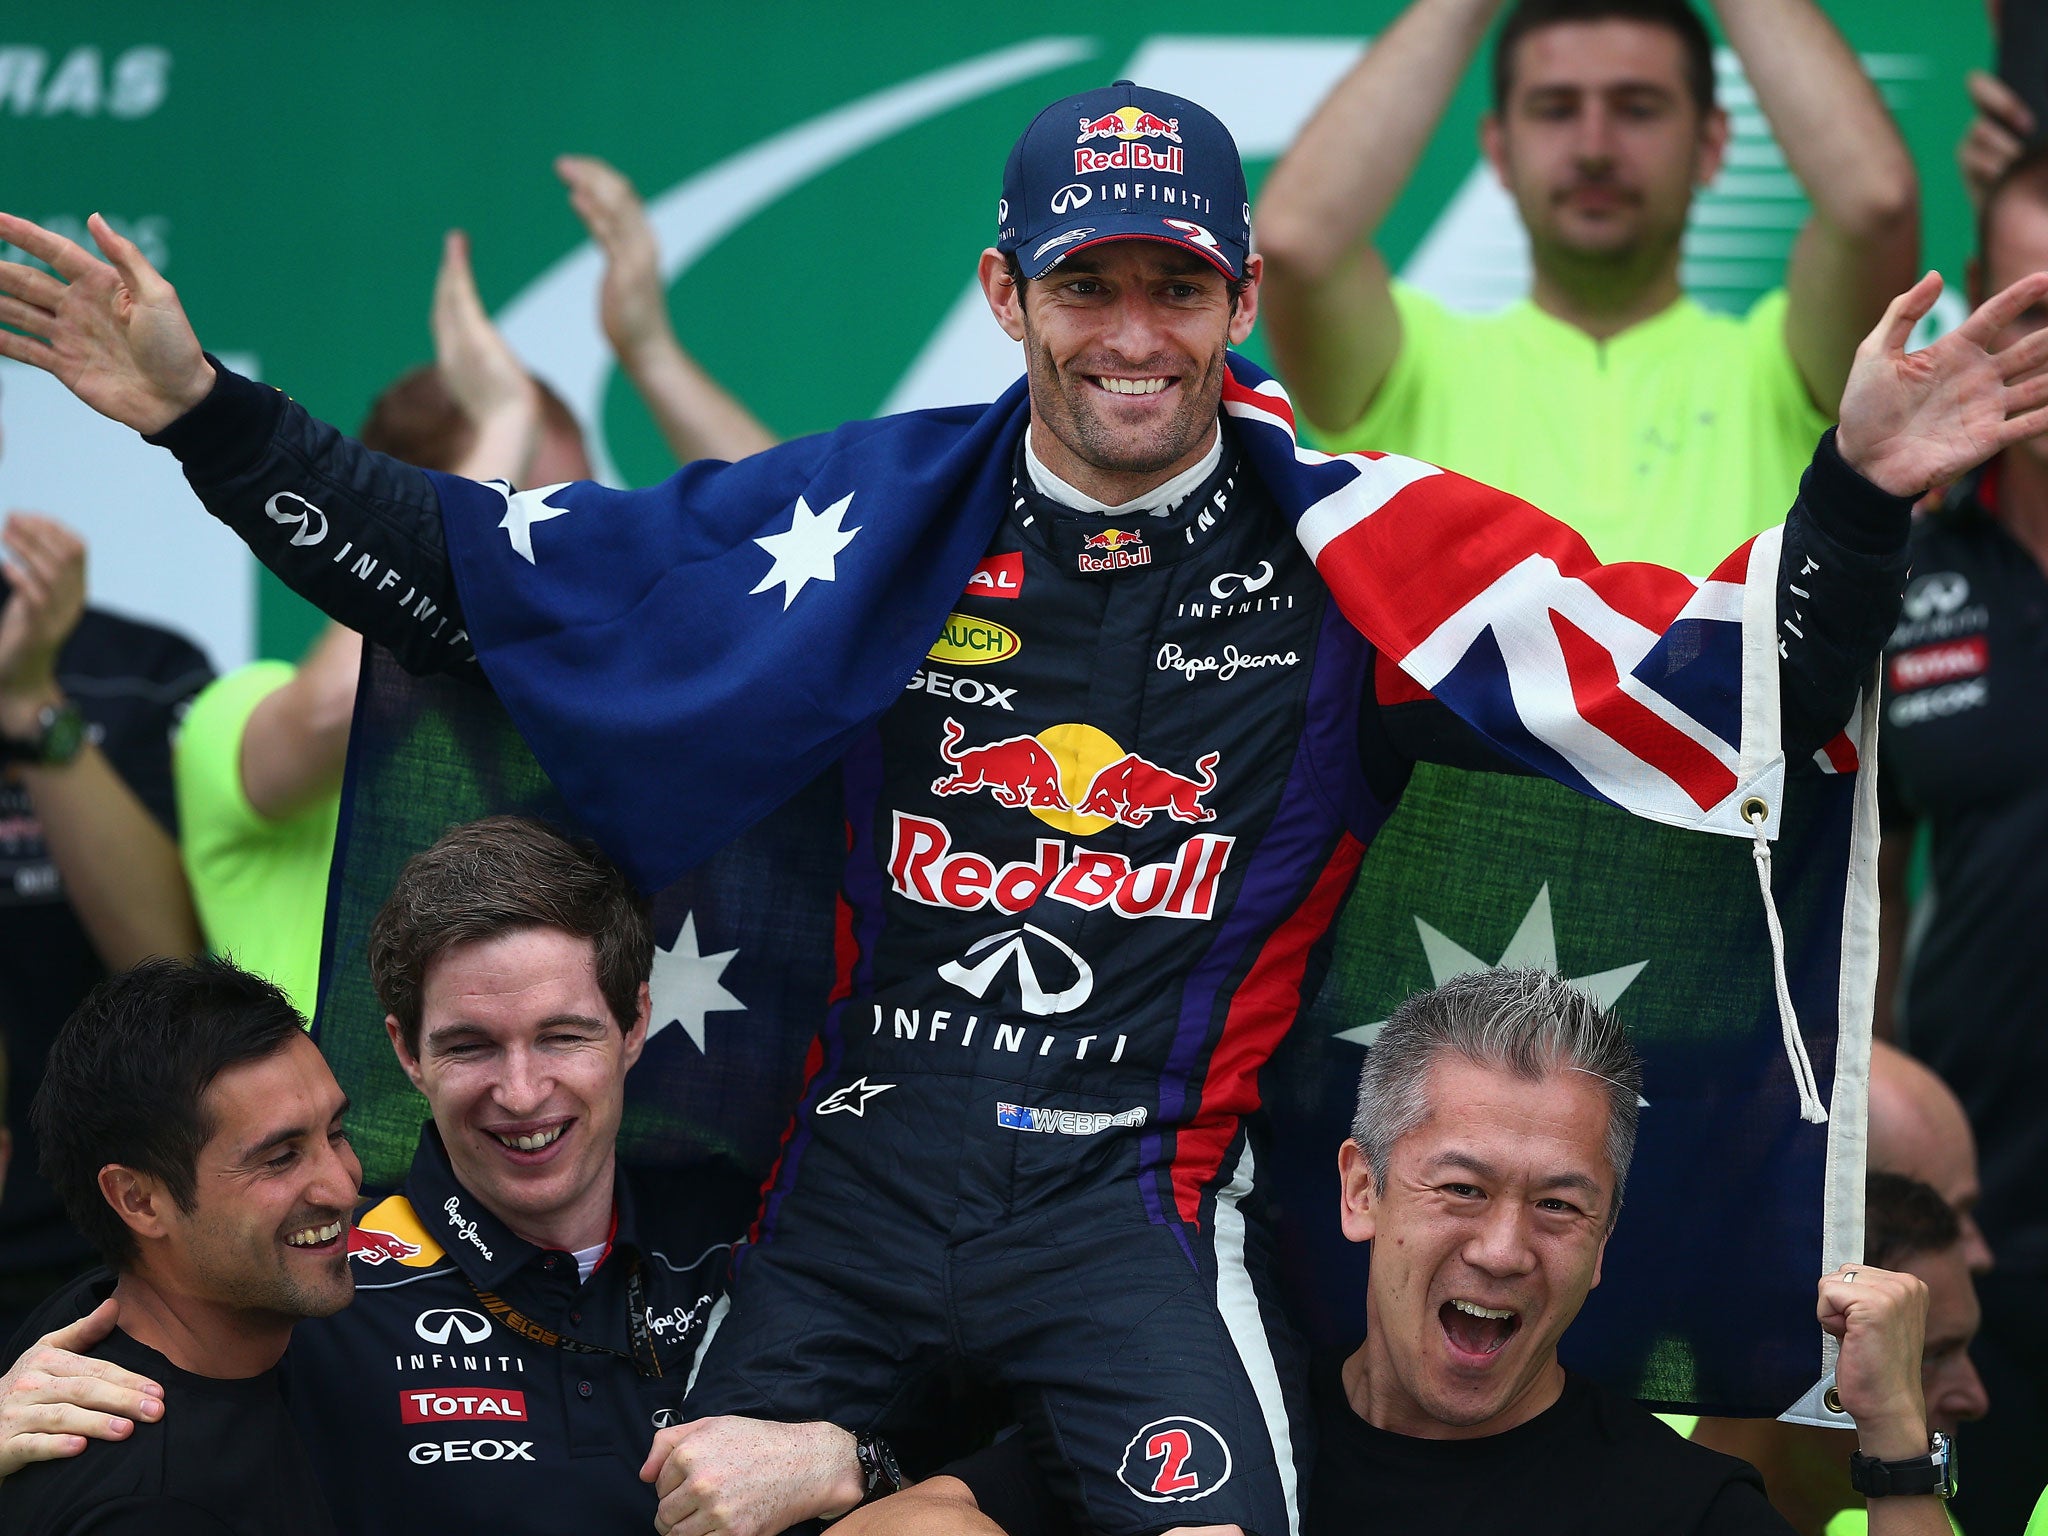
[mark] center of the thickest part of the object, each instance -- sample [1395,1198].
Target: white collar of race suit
[1157,502]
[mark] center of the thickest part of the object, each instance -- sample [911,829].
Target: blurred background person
[259,761]
[1918,1128]
[89,875]
[1959,981]
[1658,430]
[1907,1226]
[698,418]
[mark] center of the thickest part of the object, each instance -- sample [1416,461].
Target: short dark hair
[496,876]
[415,419]
[1903,1217]
[127,1076]
[1533,15]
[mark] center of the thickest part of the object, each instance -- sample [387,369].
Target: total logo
[440,1403]
[1174,1461]
[1131,127]
[1113,549]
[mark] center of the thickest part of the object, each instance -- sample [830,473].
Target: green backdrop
[294,167]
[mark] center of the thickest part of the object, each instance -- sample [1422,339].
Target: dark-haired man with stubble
[195,1136]
[1657,429]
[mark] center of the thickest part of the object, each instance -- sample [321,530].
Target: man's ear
[1246,314]
[1005,296]
[636,1037]
[407,1062]
[138,1199]
[1713,147]
[1357,1211]
[1493,143]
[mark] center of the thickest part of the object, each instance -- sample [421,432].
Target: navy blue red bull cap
[1124,163]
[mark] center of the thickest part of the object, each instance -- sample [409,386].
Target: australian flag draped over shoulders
[682,661]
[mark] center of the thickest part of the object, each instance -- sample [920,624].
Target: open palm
[112,332]
[1912,421]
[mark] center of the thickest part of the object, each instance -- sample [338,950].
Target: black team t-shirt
[225,1459]
[1593,1464]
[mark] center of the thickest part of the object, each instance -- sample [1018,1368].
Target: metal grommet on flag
[1833,1401]
[1757,812]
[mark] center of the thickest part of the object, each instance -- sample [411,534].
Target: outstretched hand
[114,335]
[483,374]
[1913,421]
[631,303]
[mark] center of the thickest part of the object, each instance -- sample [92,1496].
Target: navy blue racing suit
[1094,852]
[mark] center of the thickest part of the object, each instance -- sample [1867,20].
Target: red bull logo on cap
[390,1231]
[1131,127]
[1120,548]
[1129,123]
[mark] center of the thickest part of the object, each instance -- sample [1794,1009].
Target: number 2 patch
[1173,1461]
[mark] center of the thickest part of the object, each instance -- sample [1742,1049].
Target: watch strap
[879,1473]
[1932,1473]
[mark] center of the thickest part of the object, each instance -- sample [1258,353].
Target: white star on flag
[686,986]
[1533,946]
[807,551]
[522,510]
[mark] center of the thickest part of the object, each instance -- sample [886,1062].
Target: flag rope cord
[1811,1109]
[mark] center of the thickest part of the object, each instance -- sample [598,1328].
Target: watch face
[63,733]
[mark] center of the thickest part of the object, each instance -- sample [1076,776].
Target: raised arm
[698,418]
[1327,303]
[1862,244]
[122,875]
[354,532]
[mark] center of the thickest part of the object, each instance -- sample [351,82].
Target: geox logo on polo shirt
[1113,549]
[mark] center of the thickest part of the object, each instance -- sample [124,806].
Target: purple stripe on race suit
[1325,794]
[861,774]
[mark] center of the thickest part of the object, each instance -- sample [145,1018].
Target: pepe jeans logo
[1223,668]
[466,1229]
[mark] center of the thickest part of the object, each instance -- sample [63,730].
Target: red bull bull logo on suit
[1078,779]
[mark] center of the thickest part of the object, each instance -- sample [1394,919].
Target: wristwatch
[60,732]
[878,1470]
[1933,1473]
